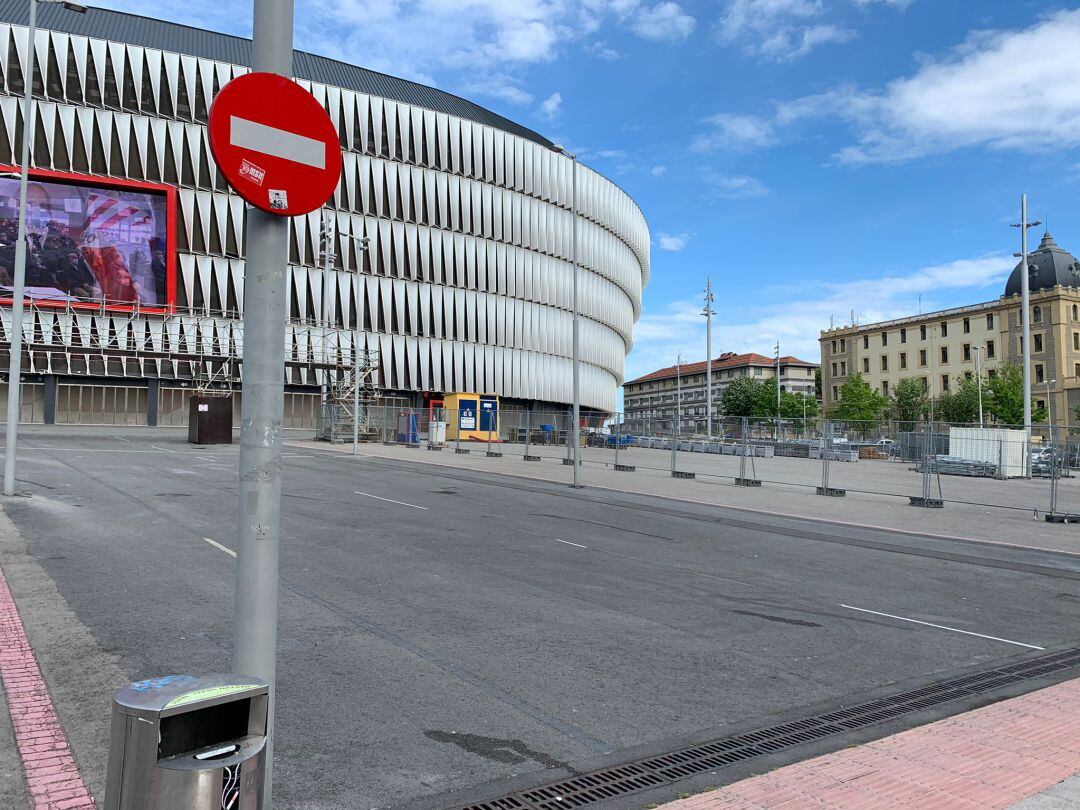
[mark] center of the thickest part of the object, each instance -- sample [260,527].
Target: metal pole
[1025,317]
[528,428]
[745,448]
[14,391]
[618,435]
[355,407]
[978,379]
[259,509]
[577,339]
[778,392]
[708,359]
[325,314]
[678,411]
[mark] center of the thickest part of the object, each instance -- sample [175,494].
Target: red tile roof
[728,360]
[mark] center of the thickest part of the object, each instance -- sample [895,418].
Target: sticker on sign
[283,157]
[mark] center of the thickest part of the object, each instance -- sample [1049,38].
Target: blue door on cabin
[489,413]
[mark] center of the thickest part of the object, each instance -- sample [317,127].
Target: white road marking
[164,449]
[943,627]
[279,143]
[578,545]
[121,438]
[217,545]
[388,500]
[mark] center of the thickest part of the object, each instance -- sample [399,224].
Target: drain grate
[633,777]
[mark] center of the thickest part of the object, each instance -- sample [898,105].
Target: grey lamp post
[576,428]
[708,313]
[14,393]
[1025,313]
[978,378]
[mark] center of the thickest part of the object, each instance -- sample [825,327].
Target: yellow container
[471,417]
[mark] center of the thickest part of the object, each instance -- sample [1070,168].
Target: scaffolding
[347,408]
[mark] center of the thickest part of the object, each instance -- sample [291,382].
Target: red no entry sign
[275,144]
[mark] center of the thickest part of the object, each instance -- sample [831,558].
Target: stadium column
[262,403]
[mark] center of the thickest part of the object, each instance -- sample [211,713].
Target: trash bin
[182,742]
[210,420]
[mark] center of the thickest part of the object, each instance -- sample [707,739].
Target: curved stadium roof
[135,30]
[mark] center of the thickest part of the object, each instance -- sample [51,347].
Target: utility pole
[978,379]
[259,510]
[327,295]
[708,313]
[778,390]
[1025,316]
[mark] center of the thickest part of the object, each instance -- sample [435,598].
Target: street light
[14,392]
[1025,314]
[708,313]
[576,430]
[978,378]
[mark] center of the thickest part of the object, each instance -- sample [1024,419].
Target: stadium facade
[451,229]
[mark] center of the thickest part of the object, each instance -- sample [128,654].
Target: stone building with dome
[942,346]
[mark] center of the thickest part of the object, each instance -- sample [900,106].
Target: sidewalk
[994,757]
[956,520]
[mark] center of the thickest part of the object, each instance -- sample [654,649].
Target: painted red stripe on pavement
[52,777]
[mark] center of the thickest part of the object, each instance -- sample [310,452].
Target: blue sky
[814,157]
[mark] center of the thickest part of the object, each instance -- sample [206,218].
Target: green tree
[744,396]
[910,402]
[1006,397]
[817,384]
[795,406]
[859,402]
[960,406]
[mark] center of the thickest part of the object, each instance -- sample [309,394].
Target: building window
[922,333]
[903,359]
[1036,314]
[866,365]
[967,352]
[1038,343]
[843,344]
[1076,340]
[992,373]
[944,328]
[1038,372]
[944,354]
[967,326]
[989,348]
[990,319]
[922,357]
[903,335]
[884,362]
[866,341]
[1074,312]
[835,393]
[885,387]
[1076,369]
[944,382]
[884,338]
[843,368]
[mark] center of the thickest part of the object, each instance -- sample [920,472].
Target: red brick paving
[991,757]
[53,781]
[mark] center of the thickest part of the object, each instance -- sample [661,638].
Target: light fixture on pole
[778,390]
[576,428]
[14,391]
[708,313]
[1025,313]
[978,378]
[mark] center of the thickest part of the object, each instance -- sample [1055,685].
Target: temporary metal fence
[925,464]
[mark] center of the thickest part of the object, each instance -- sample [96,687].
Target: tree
[1005,398]
[796,406]
[744,396]
[962,405]
[859,402]
[910,402]
[817,384]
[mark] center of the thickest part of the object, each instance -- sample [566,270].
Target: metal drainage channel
[652,772]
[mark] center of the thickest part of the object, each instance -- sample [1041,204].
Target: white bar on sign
[279,143]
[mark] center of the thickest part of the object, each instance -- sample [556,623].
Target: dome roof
[1048,266]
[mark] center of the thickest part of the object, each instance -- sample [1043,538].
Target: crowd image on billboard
[86,243]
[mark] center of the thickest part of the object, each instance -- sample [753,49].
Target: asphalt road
[442,628]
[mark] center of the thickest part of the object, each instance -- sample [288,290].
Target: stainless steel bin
[182,742]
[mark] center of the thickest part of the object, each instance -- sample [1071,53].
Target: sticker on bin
[209,693]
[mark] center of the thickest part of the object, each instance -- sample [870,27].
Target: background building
[465,284]
[941,346]
[649,401]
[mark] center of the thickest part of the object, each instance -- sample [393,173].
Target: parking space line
[166,449]
[943,627]
[218,545]
[567,542]
[388,500]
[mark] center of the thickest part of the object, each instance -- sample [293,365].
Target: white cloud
[660,170]
[796,316]
[664,22]
[612,154]
[1001,89]
[779,30]
[552,105]
[673,242]
[737,187]
[730,130]
[601,50]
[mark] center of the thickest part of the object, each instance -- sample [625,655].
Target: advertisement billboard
[90,242]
